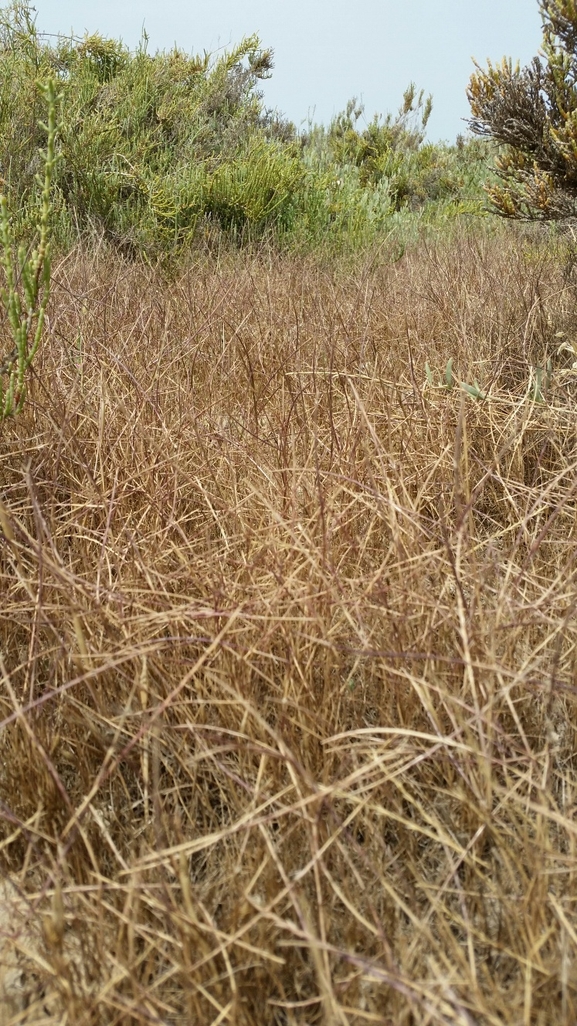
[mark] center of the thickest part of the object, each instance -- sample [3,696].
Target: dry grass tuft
[289,647]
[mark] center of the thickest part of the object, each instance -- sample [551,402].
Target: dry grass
[288,647]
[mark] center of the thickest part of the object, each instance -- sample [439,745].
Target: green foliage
[145,139]
[373,150]
[531,113]
[540,383]
[23,67]
[258,187]
[25,296]
[157,151]
[420,185]
[448,382]
[475,390]
[540,379]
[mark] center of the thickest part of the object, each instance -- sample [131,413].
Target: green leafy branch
[27,289]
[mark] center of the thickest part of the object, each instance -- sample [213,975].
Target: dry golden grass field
[288,644]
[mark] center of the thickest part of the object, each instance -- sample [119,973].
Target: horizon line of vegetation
[156,152]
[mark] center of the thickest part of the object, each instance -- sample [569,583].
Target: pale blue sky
[329,50]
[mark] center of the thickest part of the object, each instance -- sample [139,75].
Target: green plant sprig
[475,390]
[27,290]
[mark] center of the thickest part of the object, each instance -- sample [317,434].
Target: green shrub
[153,149]
[27,289]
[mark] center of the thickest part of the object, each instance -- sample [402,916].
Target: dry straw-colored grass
[289,646]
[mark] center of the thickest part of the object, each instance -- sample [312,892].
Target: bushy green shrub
[372,149]
[154,149]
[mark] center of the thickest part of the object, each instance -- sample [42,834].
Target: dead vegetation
[288,646]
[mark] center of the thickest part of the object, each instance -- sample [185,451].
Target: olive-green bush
[158,151]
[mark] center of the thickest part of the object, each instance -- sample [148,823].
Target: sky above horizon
[327,51]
